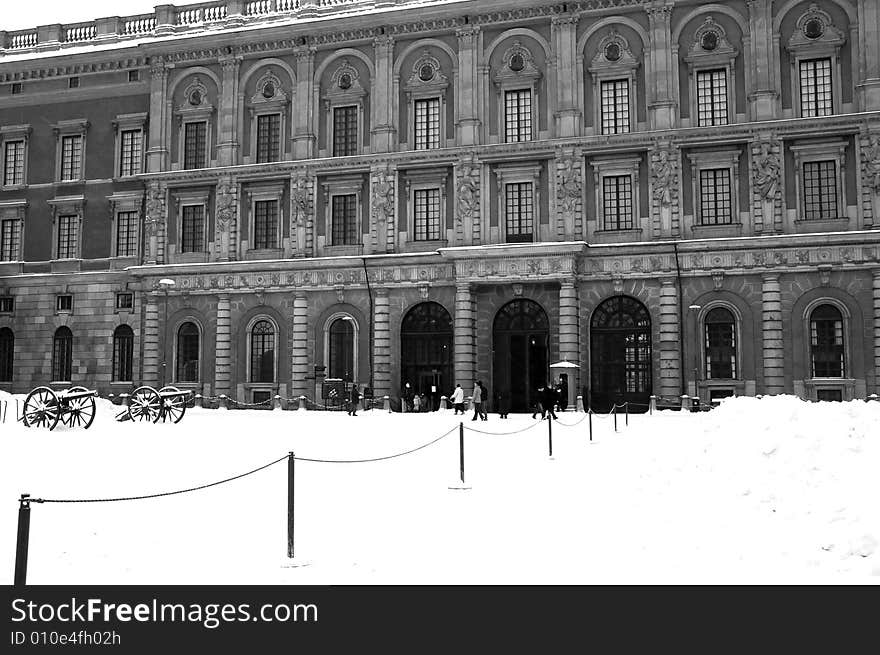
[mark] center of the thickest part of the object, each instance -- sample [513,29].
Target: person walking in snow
[501,403]
[548,400]
[478,401]
[417,403]
[354,397]
[458,400]
[539,403]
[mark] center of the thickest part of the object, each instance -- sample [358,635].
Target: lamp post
[695,309]
[165,283]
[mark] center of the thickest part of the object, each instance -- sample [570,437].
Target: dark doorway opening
[426,352]
[520,337]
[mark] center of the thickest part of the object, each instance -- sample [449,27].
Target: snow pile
[770,490]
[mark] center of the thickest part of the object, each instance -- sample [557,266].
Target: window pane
[62,355]
[341,355]
[615,106]
[518,115]
[195,139]
[345,131]
[265,224]
[13,166]
[188,353]
[519,212]
[10,240]
[617,202]
[263,352]
[67,236]
[427,123]
[427,214]
[816,87]
[715,197]
[71,157]
[720,344]
[126,234]
[193,228]
[123,349]
[268,138]
[7,354]
[344,220]
[130,156]
[712,97]
[820,190]
[826,342]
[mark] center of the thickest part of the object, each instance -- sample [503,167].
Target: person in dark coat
[501,403]
[354,397]
[563,393]
[548,400]
[539,403]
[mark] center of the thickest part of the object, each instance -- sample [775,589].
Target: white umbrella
[564,364]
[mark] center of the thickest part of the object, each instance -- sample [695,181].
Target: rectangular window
[265,224]
[124,300]
[519,212]
[134,75]
[617,202]
[715,199]
[193,229]
[345,131]
[10,240]
[73,83]
[615,106]
[712,97]
[126,234]
[268,138]
[15,88]
[720,351]
[820,190]
[518,115]
[816,87]
[71,157]
[67,236]
[64,303]
[195,137]
[427,214]
[427,121]
[130,153]
[7,304]
[344,220]
[123,354]
[13,163]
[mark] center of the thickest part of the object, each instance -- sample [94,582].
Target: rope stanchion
[290,462]
[550,437]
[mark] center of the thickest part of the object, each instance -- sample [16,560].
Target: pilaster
[227,139]
[223,349]
[152,357]
[662,106]
[569,334]
[763,98]
[771,331]
[876,294]
[670,340]
[568,117]
[299,352]
[465,360]
[382,343]
[381,96]
[157,152]
[304,137]
[869,22]
[467,90]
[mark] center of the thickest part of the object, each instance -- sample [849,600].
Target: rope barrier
[375,459]
[504,434]
[159,495]
[571,425]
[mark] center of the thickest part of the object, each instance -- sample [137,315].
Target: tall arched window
[123,349]
[263,352]
[341,349]
[62,355]
[7,354]
[720,341]
[826,342]
[188,353]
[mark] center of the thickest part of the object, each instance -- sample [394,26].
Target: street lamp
[165,283]
[697,341]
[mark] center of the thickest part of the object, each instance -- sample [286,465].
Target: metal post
[626,408]
[590,419]
[461,449]
[550,435]
[614,411]
[290,460]
[21,544]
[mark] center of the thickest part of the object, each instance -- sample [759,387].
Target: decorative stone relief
[226,202]
[382,208]
[718,279]
[569,193]
[664,189]
[154,223]
[301,212]
[766,185]
[467,197]
[871,178]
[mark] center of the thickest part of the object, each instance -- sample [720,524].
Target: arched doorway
[426,351]
[620,353]
[520,337]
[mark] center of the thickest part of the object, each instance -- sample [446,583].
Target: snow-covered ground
[755,491]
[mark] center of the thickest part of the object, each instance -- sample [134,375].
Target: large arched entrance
[426,351]
[520,338]
[620,353]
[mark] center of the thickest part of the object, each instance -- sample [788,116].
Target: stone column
[763,96]
[152,355]
[877,330]
[661,96]
[771,330]
[381,343]
[304,137]
[223,347]
[299,352]
[670,340]
[569,335]
[157,151]
[568,115]
[381,100]
[869,21]
[465,336]
[227,126]
[467,89]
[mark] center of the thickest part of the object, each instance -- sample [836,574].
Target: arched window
[720,341]
[263,351]
[123,348]
[188,353]
[826,342]
[7,354]
[341,349]
[62,355]
[426,350]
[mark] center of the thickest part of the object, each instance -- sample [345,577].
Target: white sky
[22,15]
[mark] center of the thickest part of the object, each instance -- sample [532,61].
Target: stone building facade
[248,197]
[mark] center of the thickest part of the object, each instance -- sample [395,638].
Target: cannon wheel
[80,412]
[41,408]
[145,405]
[173,407]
